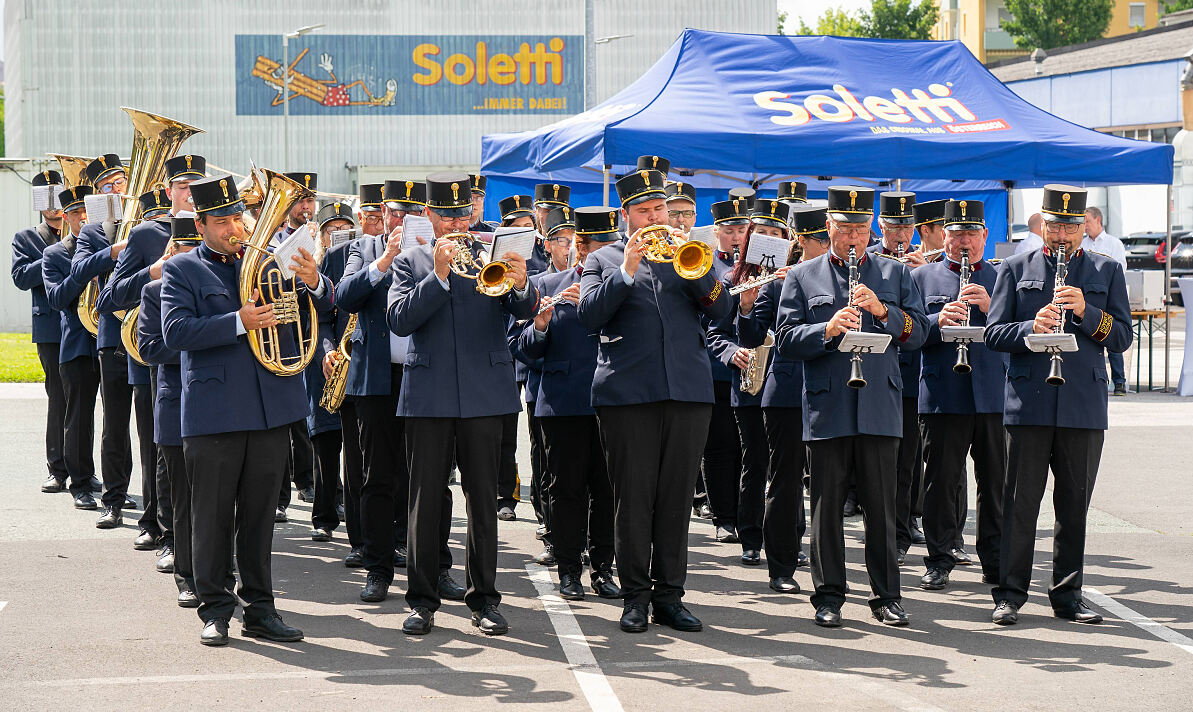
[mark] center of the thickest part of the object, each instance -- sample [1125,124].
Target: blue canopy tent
[731,109]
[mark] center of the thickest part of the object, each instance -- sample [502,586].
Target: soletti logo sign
[935,111]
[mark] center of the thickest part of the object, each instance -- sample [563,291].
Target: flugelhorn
[692,259]
[492,276]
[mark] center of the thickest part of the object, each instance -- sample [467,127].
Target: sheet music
[103,207]
[769,252]
[301,238]
[339,237]
[514,239]
[415,227]
[45,197]
[704,233]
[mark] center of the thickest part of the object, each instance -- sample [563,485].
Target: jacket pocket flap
[930,370]
[205,373]
[896,381]
[1094,287]
[500,356]
[417,359]
[817,385]
[1029,284]
[1018,370]
[212,290]
[821,300]
[937,299]
[557,366]
[786,367]
[888,297]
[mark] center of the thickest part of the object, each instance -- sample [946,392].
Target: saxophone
[337,383]
[754,374]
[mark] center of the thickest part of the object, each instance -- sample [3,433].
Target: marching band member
[851,430]
[961,412]
[1058,426]
[896,221]
[28,245]
[303,209]
[722,450]
[236,415]
[546,197]
[576,464]
[782,403]
[375,383]
[167,413]
[458,385]
[78,363]
[95,257]
[400,198]
[516,211]
[794,193]
[652,392]
[769,218]
[929,222]
[478,205]
[681,206]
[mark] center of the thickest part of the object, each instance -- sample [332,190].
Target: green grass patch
[18,360]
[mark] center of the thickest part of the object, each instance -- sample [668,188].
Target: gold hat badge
[455,191]
[224,186]
[306,179]
[853,198]
[555,190]
[773,204]
[612,219]
[902,204]
[188,162]
[962,206]
[1065,198]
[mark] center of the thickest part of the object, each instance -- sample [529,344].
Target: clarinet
[1055,377]
[962,365]
[856,380]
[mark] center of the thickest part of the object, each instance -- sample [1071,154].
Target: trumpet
[856,379]
[492,276]
[962,365]
[692,258]
[1055,376]
[337,383]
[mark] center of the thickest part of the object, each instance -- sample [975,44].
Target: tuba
[74,168]
[128,335]
[155,140]
[259,273]
[336,384]
[692,258]
[492,276]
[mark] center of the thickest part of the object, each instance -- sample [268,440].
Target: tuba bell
[258,272]
[692,259]
[74,168]
[155,140]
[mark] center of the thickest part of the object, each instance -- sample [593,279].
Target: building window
[1137,15]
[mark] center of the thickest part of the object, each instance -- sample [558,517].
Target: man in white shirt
[1033,241]
[1098,240]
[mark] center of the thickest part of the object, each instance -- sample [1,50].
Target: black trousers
[652,451]
[580,494]
[722,459]
[157,514]
[300,463]
[871,459]
[909,469]
[539,473]
[755,463]
[431,444]
[1073,454]
[509,483]
[327,447]
[55,411]
[80,383]
[234,486]
[948,438]
[180,498]
[115,448]
[354,469]
[784,521]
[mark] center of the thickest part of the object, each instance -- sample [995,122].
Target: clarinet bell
[1055,377]
[962,365]
[856,380]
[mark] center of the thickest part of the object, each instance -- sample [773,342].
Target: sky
[807,10]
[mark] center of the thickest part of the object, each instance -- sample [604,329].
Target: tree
[1056,23]
[900,19]
[834,21]
[1167,6]
[782,22]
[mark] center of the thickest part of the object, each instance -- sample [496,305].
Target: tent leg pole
[1010,211]
[605,186]
[1167,289]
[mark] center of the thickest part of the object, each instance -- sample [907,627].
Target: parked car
[1145,250]
[1180,262]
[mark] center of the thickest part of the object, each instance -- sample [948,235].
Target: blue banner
[338,75]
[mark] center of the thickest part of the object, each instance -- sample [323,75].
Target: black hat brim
[767,220]
[1066,219]
[560,226]
[457,212]
[154,213]
[187,175]
[732,221]
[515,214]
[405,207]
[965,226]
[851,217]
[224,210]
[108,173]
[333,218]
[898,219]
[370,208]
[188,240]
[644,197]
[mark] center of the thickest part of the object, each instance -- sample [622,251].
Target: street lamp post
[286,90]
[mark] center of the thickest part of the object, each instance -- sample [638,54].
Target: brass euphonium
[155,140]
[337,383]
[74,169]
[128,323]
[258,272]
[692,258]
[492,276]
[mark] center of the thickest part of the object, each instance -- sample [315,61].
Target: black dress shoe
[215,632]
[355,559]
[94,485]
[960,557]
[1079,613]
[751,557]
[449,590]
[110,519]
[165,562]
[271,628]
[850,509]
[917,534]
[187,599]
[320,534]
[145,541]
[490,621]
[280,515]
[891,614]
[802,561]
[676,616]
[901,557]
[1005,613]
[570,587]
[419,622]
[784,584]
[129,502]
[400,557]
[935,579]
[828,617]
[53,485]
[306,494]
[603,586]
[546,557]
[633,618]
[376,588]
[84,500]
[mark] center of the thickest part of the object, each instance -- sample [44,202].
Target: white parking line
[3,604]
[1139,620]
[588,673]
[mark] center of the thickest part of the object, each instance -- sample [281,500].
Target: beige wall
[1121,13]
